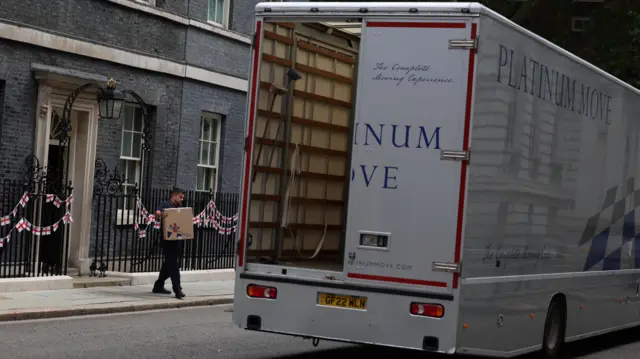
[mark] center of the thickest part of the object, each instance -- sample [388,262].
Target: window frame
[125,216]
[579,19]
[217,118]
[226,8]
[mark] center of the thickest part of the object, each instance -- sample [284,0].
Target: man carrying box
[171,250]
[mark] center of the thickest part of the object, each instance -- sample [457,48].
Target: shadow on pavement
[603,343]
[587,347]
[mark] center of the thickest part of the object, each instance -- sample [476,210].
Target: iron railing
[34,235]
[123,241]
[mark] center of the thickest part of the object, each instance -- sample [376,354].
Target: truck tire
[554,330]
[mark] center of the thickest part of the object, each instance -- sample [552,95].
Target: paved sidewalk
[102,300]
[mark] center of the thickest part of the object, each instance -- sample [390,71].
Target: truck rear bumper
[386,320]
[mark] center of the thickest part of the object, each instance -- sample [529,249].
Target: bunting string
[210,217]
[25,225]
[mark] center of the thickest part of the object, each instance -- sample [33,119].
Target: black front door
[52,246]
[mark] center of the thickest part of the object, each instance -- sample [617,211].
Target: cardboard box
[178,224]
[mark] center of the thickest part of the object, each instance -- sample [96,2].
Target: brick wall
[179,7]
[18,125]
[231,105]
[176,102]
[242,16]
[2,95]
[101,21]
[217,53]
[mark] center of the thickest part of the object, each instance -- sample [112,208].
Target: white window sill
[206,191]
[220,30]
[145,7]
[125,217]
[216,24]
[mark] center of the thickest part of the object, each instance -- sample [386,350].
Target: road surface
[206,333]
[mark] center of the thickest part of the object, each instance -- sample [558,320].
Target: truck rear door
[410,142]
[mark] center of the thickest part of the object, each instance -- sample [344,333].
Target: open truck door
[410,151]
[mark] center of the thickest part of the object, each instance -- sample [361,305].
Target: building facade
[188,60]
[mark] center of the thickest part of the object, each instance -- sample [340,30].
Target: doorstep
[35,283]
[91,282]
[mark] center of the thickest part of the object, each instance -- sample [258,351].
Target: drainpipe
[175,176]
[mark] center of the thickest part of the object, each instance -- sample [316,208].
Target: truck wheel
[554,330]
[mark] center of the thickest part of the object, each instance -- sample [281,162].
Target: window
[209,152]
[130,158]
[219,12]
[578,23]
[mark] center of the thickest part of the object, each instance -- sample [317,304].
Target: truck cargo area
[351,186]
[301,146]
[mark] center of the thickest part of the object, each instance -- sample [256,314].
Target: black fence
[126,236]
[34,229]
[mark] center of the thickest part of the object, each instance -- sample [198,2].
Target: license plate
[342,301]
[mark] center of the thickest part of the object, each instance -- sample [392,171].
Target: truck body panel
[552,193]
[398,228]
[515,187]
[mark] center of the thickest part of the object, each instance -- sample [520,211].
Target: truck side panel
[552,194]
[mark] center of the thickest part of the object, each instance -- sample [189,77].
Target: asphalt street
[206,332]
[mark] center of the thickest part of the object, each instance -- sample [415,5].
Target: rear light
[427,310]
[258,291]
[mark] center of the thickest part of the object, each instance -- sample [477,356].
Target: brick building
[187,59]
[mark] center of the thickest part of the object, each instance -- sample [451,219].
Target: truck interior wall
[313,151]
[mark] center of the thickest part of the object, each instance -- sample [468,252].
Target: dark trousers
[170,269]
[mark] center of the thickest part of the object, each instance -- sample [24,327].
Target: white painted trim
[575,20]
[226,6]
[218,120]
[98,51]
[42,121]
[216,78]
[183,20]
[220,31]
[35,283]
[144,7]
[126,217]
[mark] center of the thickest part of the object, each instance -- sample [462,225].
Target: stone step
[73,272]
[90,282]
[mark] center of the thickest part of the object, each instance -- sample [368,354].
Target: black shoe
[179,294]
[161,291]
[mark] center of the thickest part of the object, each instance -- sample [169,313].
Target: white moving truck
[432,176]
